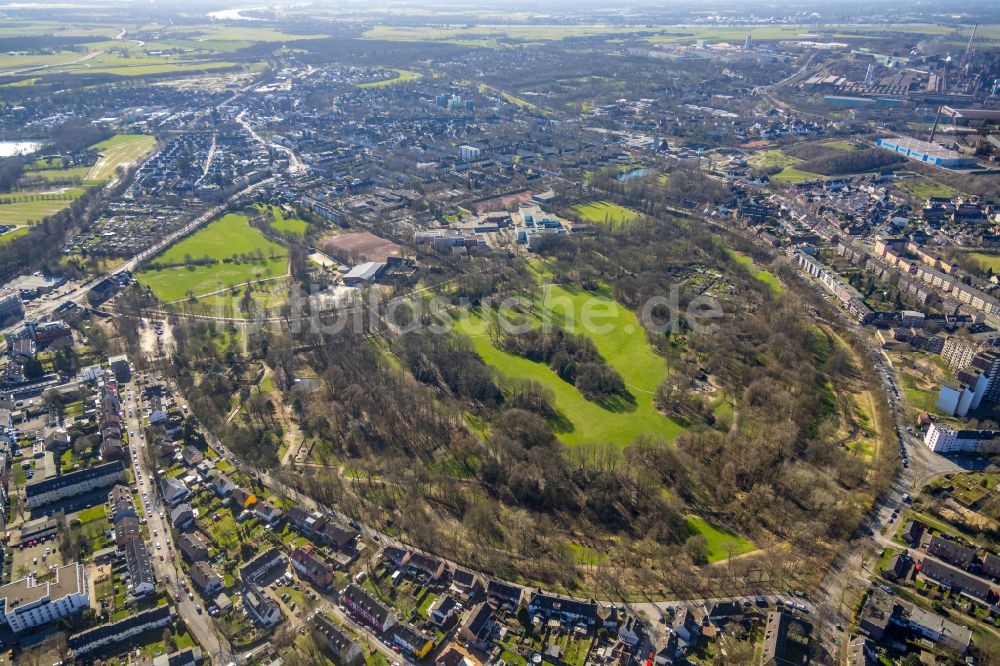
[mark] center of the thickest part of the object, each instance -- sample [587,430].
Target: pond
[635,173]
[19,147]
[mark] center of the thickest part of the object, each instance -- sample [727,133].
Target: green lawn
[620,340]
[793,175]
[117,151]
[925,188]
[26,212]
[987,260]
[605,212]
[402,76]
[719,540]
[764,276]
[290,227]
[841,145]
[228,236]
[11,235]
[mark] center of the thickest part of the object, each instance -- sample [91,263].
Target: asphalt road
[168,569]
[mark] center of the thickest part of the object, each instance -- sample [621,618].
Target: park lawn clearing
[841,145]
[619,339]
[402,76]
[764,276]
[11,235]
[989,261]
[289,227]
[119,150]
[925,188]
[605,212]
[228,236]
[720,541]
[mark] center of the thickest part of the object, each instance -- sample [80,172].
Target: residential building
[193,547]
[571,611]
[222,485]
[311,567]
[258,568]
[120,503]
[504,595]
[776,639]
[264,610]
[958,581]
[424,567]
[11,307]
[191,656]
[368,608]
[141,579]
[991,566]
[182,515]
[861,652]
[174,490]
[882,610]
[411,639]
[950,551]
[27,603]
[243,498]
[203,576]
[340,648]
[944,439]
[121,369]
[337,536]
[75,483]
[479,626]
[120,631]
[443,608]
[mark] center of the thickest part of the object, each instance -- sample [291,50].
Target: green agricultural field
[605,212]
[720,541]
[230,235]
[764,276]
[619,339]
[119,150]
[489,35]
[402,76]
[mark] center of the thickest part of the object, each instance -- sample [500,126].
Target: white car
[157,545]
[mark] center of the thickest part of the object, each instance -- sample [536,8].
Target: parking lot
[35,558]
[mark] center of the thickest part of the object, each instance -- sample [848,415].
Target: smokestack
[968,49]
[934,129]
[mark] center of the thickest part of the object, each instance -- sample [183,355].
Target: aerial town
[472,335]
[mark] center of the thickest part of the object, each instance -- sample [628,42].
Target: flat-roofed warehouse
[972,116]
[929,153]
[365,273]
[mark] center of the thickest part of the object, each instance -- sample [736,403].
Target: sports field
[119,150]
[605,212]
[26,209]
[229,236]
[619,339]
